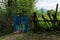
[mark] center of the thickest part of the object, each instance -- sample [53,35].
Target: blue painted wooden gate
[20,24]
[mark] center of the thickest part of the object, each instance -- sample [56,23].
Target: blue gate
[20,24]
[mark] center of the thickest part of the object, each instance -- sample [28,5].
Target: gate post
[35,22]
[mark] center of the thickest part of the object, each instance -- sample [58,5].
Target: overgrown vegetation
[13,8]
[41,21]
[50,21]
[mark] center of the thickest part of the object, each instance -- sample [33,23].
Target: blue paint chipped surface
[20,24]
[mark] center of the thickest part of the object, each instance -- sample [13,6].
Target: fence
[55,22]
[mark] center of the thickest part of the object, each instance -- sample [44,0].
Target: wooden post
[56,11]
[36,24]
[9,3]
[34,20]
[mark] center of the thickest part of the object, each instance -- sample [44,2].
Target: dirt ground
[31,36]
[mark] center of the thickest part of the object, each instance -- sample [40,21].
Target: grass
[1,38]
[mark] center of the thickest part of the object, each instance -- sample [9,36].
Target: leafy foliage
[25,7]
[12,8]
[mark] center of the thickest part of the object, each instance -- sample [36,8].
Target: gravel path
[13,37]
[32,36]
[42,36]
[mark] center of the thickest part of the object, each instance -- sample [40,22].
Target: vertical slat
[26,24]
[19,24]
[14,23]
